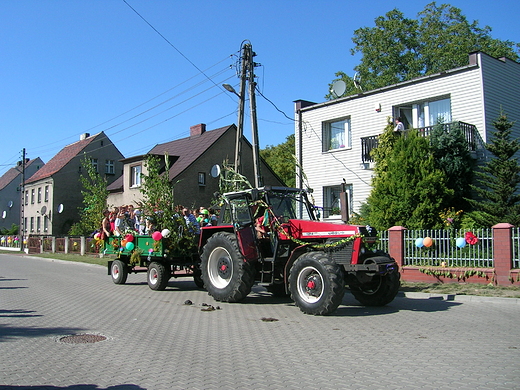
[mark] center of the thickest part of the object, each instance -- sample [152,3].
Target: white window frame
[110,167]
[342,139]
[331,199]
[135,176]
[202,179]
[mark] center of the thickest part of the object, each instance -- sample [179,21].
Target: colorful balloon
[428,242]
[157,236]
[460,242]
[129,238]
[419,243]
[165,233]
[129,246]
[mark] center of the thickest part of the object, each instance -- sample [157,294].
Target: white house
[334,138]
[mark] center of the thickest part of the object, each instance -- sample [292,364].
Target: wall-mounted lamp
[377,107]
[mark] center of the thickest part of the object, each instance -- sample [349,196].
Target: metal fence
[444,251]
[516,247]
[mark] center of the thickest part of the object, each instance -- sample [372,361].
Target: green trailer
[157,258]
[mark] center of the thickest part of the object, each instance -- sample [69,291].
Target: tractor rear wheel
[316,283]
[226,275]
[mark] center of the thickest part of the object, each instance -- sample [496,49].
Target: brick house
[10,191]
[53,193]
[191,160]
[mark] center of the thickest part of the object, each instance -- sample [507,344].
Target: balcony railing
[470,131]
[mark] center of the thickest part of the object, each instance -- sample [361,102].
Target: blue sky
[68,67]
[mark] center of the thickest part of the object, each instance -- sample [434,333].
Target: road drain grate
[82,339]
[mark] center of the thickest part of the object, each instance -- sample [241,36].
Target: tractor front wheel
[316,283]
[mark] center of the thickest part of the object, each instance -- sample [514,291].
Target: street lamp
[230,88]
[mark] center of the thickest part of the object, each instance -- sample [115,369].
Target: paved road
[155,341]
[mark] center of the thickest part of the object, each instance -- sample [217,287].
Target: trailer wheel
[316,283]
[378,291]
[119,272]
[226,275]
[157,276]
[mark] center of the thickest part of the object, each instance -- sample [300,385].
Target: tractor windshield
[290,204]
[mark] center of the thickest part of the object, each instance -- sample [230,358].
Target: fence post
[82,248]
[66,244]
[502,252]
[53,244]
[396,244]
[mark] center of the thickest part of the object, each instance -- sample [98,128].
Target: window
[27,197]
[39,194]
[38,224]
[337,135]
[424,114]
[135,176]
[32,224]
[94,163]
[25,224]
[202,179]
[32,196]
[45,223]
[46,193]
[332,201]
[109,167]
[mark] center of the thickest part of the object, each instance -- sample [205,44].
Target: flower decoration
[471,238]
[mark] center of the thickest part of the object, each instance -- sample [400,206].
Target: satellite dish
[10,204]
[43,210]
[60,208]
[4,214]
[357,81]
[338,88]
[215,170]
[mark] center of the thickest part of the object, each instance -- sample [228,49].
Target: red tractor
[260,240]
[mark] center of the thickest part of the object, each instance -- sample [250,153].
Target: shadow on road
[73,387]
[8,332]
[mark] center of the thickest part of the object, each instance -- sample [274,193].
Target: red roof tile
[187,150]
[61,159]
[12,174]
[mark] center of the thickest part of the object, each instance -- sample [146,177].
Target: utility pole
[22,191]
[247,76]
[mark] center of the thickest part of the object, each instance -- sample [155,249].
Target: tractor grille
[342,255]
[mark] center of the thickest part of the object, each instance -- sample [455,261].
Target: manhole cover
[82,339]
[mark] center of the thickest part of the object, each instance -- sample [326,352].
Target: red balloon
[157,236]
[129,238]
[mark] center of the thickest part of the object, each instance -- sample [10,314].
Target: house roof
[61,159]
[188,150]
[13,173]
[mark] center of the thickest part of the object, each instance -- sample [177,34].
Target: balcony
[470,131]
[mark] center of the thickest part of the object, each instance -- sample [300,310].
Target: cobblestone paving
[155,341]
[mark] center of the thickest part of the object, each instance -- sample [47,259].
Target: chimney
[84,136]
[197,129]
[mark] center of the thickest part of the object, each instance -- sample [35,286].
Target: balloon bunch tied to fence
[460,242]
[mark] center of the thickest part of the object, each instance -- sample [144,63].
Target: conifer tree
[407,188]
[499,178]
[452,156]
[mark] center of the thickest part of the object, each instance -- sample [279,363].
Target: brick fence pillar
[502,252]
[396,244]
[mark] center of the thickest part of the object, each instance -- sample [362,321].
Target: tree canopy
[281,159]
[399,48]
